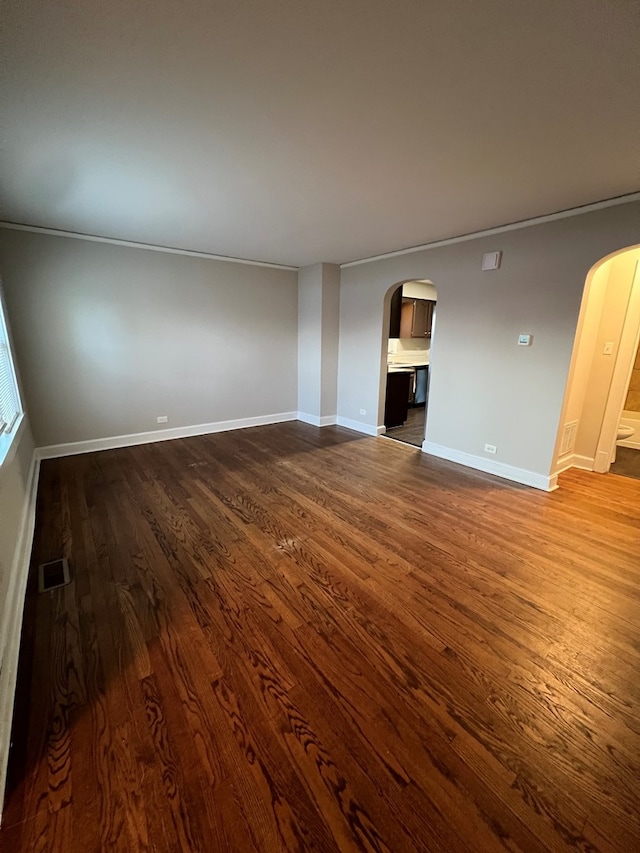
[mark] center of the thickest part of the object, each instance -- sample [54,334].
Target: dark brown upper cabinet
[416,318]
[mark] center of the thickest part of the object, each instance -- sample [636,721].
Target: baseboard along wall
[54,451]
[490,466]
[316,420]
[359,426]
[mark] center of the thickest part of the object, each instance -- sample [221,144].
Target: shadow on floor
[627,463]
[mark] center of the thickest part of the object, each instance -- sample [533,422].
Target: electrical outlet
[490,448]
[162,419]
[363,411]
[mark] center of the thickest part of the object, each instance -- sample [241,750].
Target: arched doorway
[600,396]
[406,359]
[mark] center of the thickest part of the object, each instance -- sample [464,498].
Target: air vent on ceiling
[53,574]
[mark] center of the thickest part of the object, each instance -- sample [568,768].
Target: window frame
[9,439]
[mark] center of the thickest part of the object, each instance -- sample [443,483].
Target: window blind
[9,398]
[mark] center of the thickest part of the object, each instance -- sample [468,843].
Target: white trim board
[12,619]
[501,229]
[489,466]
[488,232]
[129,244]
[315,420]
[53,451]
[574,460]
[585,463]
[358,426]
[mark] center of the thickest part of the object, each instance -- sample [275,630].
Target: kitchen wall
[109,337]
[419,290]
[400,349]
[484,388]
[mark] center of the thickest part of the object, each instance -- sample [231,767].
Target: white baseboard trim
[500,469]
[564,465]
[358,426]
[585,463]
[12,620]
[315,420]
[53,451]
[575,460]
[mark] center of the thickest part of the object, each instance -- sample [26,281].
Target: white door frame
[627,349]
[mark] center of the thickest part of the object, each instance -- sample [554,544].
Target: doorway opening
[600,425]
[406,360]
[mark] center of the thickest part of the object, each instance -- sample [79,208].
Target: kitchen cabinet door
[417,318]
[421,326]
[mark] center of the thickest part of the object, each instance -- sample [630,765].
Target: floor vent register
[53,574]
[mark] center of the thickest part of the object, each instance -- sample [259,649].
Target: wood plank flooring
[290,639]
[412,431]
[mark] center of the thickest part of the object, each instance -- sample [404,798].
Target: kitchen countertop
[394,367]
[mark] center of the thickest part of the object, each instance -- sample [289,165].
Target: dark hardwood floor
[290,638]
[412,431]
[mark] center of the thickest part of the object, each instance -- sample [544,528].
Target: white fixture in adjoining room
[624,432]
[602,364]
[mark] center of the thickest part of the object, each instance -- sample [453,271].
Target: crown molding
[92,238]
[449,241]
[501,229]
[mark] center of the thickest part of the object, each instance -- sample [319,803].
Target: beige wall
[632,403]
[318,319]
[484,388]
[108,338]
[610,291]
[330,340]
[582,358]
[309,340]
